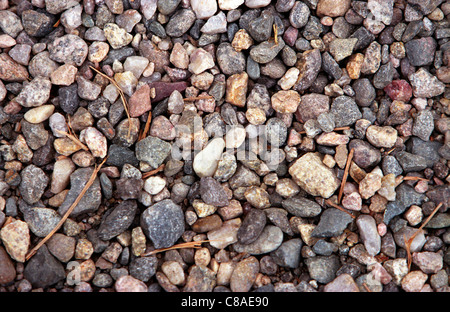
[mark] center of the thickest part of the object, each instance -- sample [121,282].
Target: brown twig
[410,240]
[335,129]
[68,212]
[154,171]
[202,97]
[196,244]
[414,179]
[329,202]
[122,96]
[275,33]
[344,178]
[147,127]
[74,139]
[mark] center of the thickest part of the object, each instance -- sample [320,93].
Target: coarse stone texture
[313,176]
[163,223]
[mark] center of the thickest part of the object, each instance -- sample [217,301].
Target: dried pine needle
[196,244]
[329,202]
[122,96]
[74,139]
[409,241]
[68,212]
[344,178]
[155,171]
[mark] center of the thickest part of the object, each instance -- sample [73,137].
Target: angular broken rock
[313,176]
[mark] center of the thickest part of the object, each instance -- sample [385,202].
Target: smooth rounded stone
[407,232]
[229,58]
[342,283]
[244,275]
[127,283]
[68,98]
[152,150]
[206,161]
[15,237]
[204,8]
[323,268]
[257,197]
[95,141]
[7,268]
[229,5]
[369,234]
[212,192]
[10,23]
[41,221]
[235,137]
[61,246]
[332,223]
[163,223]
[68,49]
[252,226]
[43,269]
[71,18]
[39,114]
[62,170]
[254,4]
[35,93]
[365,155]
[313,176]
[33,183]
[266,51]
[269,240]
[364,92]
[206,224]
[331,8]
[299,14]
[425,85]
[180,22]
[301,207]
[154,185]
[91,199]
[381,136]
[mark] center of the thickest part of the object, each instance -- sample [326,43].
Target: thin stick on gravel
[195,98]
[154,171]
[122,96]
[74,139]
[329,202]
[196,244]
[410,240]
[344,178]
[144,133]
[68,212]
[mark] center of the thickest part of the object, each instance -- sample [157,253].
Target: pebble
[252,226]
[127,283]
[236,89]
[332,223]
[342,283]
[163,223]
[152,150]
[322,268]
[139,103]
[43,269]
[322,183]
[15,237]
[269,240]
[7,269]
[35,93]
[206,161]
[199,61]
[428,262]
[332,9]
[425,85]
[92,198]
[369,234]
[41,221]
